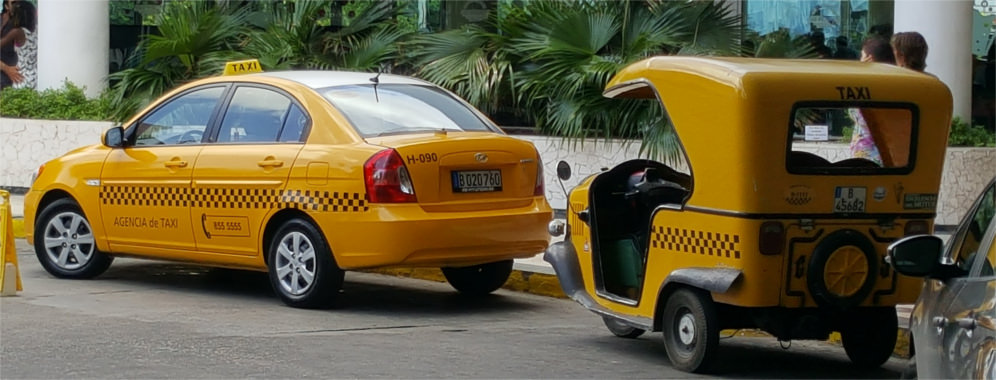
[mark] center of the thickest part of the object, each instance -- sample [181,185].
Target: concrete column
[947,27]
[73,44]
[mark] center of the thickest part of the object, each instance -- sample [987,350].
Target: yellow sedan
[303,174]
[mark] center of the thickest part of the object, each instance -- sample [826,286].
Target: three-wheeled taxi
[793,178]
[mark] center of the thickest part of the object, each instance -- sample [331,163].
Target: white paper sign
[817,133]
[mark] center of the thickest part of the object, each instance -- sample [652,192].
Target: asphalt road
[147,319]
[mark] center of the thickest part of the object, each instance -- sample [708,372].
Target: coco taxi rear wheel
[64,242]
[621,329]
[301,267]
[691,332]
[479,279]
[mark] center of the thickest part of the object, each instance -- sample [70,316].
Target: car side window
[182,120]
[970,236]
[254,115]
[294,125]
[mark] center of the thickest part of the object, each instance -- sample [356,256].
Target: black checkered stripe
[232,198]
[692,241]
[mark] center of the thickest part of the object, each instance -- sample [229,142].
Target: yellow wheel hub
[846,271]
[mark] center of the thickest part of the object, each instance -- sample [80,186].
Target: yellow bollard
[10,283]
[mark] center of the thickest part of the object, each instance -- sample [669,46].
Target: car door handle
[967,323]
[176,164]
[940,322]
[270,163]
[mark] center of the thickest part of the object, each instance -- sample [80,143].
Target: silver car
[954,322]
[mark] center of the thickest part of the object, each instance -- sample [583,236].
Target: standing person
[7,54]
[23,16]
[876,48]
[910,49]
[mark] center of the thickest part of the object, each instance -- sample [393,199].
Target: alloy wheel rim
[295,263]
[69,241]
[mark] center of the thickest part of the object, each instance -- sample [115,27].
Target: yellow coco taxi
[303,174]
[768,218]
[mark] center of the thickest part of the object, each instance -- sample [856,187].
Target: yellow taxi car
[303,174]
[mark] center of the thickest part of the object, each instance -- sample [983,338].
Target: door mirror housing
[563,170]
[114,137]
[917,256]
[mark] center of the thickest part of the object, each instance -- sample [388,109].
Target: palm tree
[195,39]
[554,57]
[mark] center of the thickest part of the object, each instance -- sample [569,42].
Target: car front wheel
[65,244]
[479,279]
[301,267]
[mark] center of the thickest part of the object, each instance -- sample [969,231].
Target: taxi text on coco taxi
[757,225]
[303,174]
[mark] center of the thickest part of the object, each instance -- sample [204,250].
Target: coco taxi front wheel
[64,242]
[301,267]
[691,332]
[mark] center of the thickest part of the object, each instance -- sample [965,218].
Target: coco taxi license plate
[476,181]
[849,199]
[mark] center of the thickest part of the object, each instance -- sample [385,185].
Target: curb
[19,228]
[521,281]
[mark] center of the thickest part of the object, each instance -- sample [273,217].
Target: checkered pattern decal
[692,241]
[233,198]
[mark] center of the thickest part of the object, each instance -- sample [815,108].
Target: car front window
[384,109]
[970,236]
[182,120]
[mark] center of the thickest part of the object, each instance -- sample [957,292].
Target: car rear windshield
[387,109]
[852,139]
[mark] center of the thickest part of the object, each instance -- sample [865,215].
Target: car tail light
[916,227]
[387,178]
[540,188]
[771,238]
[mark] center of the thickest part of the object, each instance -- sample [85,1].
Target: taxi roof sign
[242,67]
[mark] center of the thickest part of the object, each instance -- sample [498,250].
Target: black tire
[299,251]
[691,330]
[869,337]
[479,280]
[622,330]
[64,242]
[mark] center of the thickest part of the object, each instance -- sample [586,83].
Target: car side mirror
[917,256]
[113,137]
[563,170]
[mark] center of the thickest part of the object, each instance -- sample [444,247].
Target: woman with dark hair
[22,17]
[910,49]
[877,49]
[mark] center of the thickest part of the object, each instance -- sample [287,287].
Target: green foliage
[965,134]
[67,103]
[196,39]
[552,59]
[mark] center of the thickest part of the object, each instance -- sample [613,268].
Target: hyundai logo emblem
[481,157]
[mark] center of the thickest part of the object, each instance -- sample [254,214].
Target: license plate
[476,181]
[849,199]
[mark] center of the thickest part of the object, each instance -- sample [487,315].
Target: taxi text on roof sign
[242,67]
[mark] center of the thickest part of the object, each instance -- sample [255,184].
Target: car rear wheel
[302,270]
[479,279]
[65,244]
[691,331]
[869,337]
[620,329]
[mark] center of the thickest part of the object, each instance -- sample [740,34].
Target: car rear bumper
[398,235]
